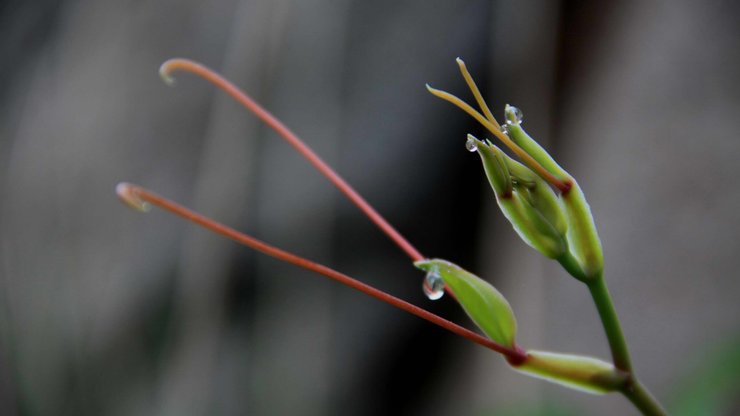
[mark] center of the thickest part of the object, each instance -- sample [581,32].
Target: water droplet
[471,145]
[434,286]
[513,115]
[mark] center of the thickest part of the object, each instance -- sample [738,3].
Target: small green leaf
[482,302]
[578,372]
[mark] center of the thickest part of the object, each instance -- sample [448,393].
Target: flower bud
[526,201]
[582,237]
[578,372]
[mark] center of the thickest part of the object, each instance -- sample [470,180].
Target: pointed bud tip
[424,264]
[513,115]
[478,141]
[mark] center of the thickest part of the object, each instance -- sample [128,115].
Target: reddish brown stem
[140,198]
[242,98]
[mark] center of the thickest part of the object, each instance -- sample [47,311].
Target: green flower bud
[526,201]
[530,209]
[482,302]
[582,237]
[539,194]
[587,374]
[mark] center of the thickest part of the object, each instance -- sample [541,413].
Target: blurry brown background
[106,311]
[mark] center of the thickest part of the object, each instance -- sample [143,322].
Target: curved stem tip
[178,64]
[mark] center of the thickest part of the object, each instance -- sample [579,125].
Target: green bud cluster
[548,210]
[560,226]
[583,240]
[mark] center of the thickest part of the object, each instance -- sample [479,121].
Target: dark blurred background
[106,311]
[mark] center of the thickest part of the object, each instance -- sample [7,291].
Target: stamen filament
[476,93]
[529,160]
[134,195]
[242,98]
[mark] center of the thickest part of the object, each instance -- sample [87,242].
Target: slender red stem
[139,198]
[242,98]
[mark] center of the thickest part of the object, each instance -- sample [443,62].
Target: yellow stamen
[476,93]
[526,158]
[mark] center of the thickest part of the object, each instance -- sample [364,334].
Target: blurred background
[107,311]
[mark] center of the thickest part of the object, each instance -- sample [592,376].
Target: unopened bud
[535,215]
[578,372]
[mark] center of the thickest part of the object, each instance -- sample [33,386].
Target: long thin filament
[529,160]
[138,197]
[476,93]
[242,98]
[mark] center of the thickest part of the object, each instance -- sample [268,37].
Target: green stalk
[643,400]
[633,389]
[610,321]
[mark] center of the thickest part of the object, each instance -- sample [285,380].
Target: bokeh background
[107,311]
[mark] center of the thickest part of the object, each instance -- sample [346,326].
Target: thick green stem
[633,389]
[570,264]
[643,400]
[610,321]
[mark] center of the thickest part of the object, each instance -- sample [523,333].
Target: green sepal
[583,239]
[529,204]
[485,305]
[539,194]
[578,372]
[496,168]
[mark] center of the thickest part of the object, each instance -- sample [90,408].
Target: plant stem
[643,400]
[137,197]
[633,389]
[247,102]
[610,321]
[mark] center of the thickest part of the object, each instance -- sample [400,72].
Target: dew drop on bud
[513,115]
[433,285]
[471,145]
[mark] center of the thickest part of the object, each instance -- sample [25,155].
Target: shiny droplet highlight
[433,285]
